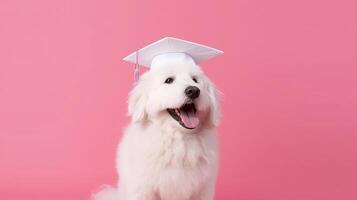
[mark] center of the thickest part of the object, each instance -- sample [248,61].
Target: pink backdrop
[289,77]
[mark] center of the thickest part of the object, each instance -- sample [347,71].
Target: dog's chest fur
[173,162]
[182,151]
[182,164]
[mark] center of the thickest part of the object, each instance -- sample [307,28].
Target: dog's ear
[137,100]
[214,97]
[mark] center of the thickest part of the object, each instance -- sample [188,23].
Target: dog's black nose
[192,92]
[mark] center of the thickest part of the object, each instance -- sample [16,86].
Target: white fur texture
[158,159]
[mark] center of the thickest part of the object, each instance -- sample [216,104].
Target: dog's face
[180,96]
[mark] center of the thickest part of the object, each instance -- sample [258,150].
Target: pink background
[289,77]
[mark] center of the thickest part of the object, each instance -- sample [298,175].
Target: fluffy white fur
[158,159]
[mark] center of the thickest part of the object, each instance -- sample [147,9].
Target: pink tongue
[189,119]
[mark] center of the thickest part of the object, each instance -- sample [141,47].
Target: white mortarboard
[170,48]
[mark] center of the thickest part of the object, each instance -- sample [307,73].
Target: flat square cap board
[171,48]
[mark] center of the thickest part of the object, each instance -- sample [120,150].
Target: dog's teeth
[177,111]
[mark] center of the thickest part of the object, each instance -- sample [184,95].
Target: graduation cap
[169,48]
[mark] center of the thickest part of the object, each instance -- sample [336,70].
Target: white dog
[169,151]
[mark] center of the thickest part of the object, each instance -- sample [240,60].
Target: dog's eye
[194,79]
[169,80]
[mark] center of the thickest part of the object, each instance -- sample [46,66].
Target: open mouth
[186,115]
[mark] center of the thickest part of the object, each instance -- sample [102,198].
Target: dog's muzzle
[186,115]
